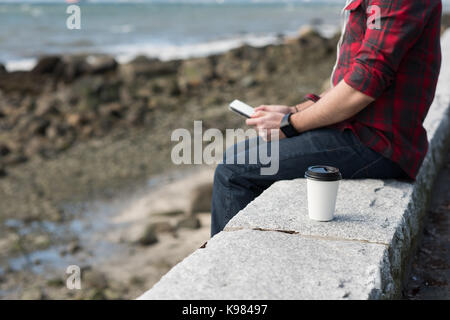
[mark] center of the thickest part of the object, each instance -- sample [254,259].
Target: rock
[189,223]
[74,66]
[87,88]
[2,69]
[110,91]
[231,68]
[93,279]
[308,32]
[114,110]
[445,22]
[195,72]
[62,252]
[73,119]
[15,158]
[36,145]
[101,64]
[46,105]
[33,293]
[170,213]
[173,88]
[200,199]
[110,294]
[24,122]
[52,132]
[87,132]
[7,269]
[38,126]
[247,52]
[49,65]
[136,281]
[137,113]
[96,294]
[64,141]
[4,150]
[2,171]
[148,236]
[22,83]
[41,241]
[55,282]
[161,226]
[143,67]
[73,247]
[248,82]
[306,36]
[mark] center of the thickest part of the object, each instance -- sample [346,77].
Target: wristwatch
[287,128]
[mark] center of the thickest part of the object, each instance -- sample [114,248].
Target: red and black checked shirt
[398,64]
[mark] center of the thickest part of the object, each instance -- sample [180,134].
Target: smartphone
[241,108]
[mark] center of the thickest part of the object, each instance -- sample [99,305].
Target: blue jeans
[236,185]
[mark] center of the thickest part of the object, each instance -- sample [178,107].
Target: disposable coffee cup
[322,185]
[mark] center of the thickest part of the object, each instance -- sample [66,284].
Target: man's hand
[276,108]
[264,122]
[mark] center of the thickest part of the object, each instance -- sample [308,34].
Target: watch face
[287,128]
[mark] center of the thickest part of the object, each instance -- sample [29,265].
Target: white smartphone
[242,108]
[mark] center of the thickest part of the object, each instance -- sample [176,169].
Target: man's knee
[223,174]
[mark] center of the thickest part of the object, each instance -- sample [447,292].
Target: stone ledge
[249,264]
[273,251]
[366,210]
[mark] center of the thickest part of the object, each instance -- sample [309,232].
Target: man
[369,125]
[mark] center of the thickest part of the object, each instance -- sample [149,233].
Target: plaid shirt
[398,64]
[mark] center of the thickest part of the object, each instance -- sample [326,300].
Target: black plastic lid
[323,173]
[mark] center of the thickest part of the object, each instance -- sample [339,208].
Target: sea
[160,29]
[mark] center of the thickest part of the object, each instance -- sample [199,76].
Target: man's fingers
[256,118]
[261,108]
[258,114]
[252,121]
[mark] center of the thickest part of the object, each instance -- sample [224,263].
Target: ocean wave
[169,51]
[21,65]
[126,53]
[124,28]
[32,10]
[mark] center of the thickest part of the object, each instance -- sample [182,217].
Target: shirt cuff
[370,81]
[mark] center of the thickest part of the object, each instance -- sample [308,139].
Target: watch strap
[287,128]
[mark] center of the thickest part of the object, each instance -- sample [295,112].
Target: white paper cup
[322,188]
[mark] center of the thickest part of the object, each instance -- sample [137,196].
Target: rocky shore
[65,100]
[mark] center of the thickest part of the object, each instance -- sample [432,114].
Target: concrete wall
[271,250]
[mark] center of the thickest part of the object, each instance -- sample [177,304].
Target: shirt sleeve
[401,22]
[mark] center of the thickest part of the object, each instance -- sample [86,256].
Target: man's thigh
[317,147]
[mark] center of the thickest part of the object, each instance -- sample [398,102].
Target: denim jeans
[236,185]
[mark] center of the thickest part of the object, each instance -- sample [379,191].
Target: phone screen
[242,108]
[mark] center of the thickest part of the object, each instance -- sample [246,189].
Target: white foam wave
[20,65]
[126,53]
